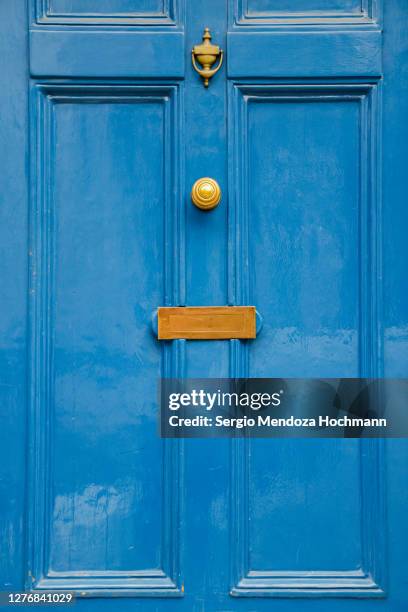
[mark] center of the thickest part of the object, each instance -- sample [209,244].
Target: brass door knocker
[206,54]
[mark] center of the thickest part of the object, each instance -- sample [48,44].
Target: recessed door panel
[103,249]
[304,12]
[304,6]
[286,498]
[105,6]
[110,499]
[304,211]
[115,12]
[309,196]
[307,176]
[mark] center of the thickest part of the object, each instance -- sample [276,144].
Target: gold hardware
[206,193]
[206,54]
[206,322]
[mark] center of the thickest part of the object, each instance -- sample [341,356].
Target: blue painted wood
[306,55]
[96,261]
[304,6]
[266,136]
[337,9]
[118,12]
[13,292]
[84,7]
[121,54]
[304,12]
[305,132]
[332,229]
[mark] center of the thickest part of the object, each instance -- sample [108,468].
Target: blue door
[105,126]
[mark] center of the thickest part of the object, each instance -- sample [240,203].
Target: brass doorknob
[206,193]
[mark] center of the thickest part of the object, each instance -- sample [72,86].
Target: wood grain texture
[207,322]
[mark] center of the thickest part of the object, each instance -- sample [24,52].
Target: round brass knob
[206,193]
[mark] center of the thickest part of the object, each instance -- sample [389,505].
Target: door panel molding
[166,14]
[165,580]
[367,578]
[365,581]
[246,14]
[368,97]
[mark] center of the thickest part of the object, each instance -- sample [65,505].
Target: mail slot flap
[206,322]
